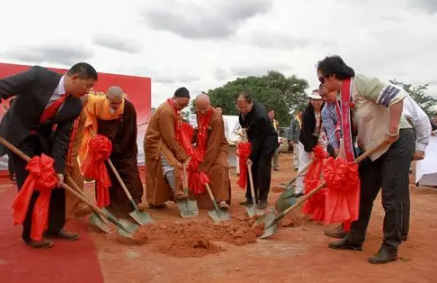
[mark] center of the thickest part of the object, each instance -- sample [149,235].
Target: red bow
[42,177]
[343,191]
[243,153]
[315,206]
[93,167]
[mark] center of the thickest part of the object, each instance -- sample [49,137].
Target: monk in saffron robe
[164,153]
[73,205]
[115,117]
[212,147]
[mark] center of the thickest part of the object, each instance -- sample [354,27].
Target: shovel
[95,219]
[216,214]
[288,197]
[271,220]
[251,210]
[187,207]
[125,230]
[141,217]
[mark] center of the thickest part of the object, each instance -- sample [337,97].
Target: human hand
[419,155]
[60,179]
[390,138]
[312,155]
[249,162]
[336,152]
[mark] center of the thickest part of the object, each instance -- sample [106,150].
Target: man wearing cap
[164,153]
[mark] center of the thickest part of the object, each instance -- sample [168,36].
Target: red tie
[52,110]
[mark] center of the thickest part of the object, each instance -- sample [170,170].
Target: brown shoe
[43,244]
[345,244]
[336,232]
[224,205]
[157,206]
[62,234]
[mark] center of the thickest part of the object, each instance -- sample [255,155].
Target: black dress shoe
[337,232]
[43,244]
[62,234]
[246,202]
[345,244]
[384,255]
[262,204]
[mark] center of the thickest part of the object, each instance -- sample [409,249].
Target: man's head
[332,71]
[328,96]
[181,98]
[271,114]
[244,103]
[115,97]
[80,79]
[202,104]
[219,109]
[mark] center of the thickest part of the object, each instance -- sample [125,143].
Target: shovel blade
[219,216]
[142,218]
[128,226]
[285,200]
[123,233]
[269,231]
[97,221]
[251,210]
[188,208]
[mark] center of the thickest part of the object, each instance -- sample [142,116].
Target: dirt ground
[295,254]
[177,250]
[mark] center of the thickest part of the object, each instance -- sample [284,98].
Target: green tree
[420,95]
[282,94]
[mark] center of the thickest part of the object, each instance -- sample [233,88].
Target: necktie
[52,110]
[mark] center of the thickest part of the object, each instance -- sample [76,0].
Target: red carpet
[66,262]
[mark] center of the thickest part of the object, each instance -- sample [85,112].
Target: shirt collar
[60,89]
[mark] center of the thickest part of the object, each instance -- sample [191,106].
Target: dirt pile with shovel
[195,238]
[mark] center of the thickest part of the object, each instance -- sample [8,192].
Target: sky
[204,44]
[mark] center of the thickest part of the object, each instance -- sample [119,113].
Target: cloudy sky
[203,44]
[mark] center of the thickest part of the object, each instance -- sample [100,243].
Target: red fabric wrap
[198,179]
[93,167]
[42,177]
[343,192]
[243,152]
[315,206]
[189,130]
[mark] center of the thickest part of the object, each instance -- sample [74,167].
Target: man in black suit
[264,142]
[40,121]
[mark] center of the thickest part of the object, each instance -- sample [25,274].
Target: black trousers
[11,168]
[262,172]
[391,172]
[31,146]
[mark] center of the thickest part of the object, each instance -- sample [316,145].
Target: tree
[282,94]
[419,94]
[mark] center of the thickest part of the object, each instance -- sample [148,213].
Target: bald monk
[210,139]
[72,168]
[115,117]
[164,154]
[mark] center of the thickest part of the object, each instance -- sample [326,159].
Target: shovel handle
[119,179]
[211,196]
[252,188]
[69,189]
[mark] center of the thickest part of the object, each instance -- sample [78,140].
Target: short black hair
[334,65]
[84,70]
[246,96]
[270,110]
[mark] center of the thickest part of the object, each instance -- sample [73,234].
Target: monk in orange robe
[164,154]
[113,116]
[73,205]
[213,147]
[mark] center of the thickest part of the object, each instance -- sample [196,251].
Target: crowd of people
[347,115]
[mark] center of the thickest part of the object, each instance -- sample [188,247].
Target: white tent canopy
[426,169]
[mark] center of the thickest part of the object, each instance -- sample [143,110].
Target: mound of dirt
[194,238]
